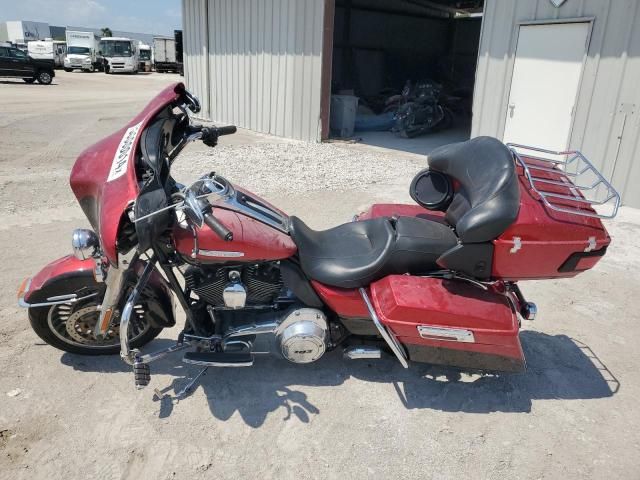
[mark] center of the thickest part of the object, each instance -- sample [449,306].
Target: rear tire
[44,78]
[68,69]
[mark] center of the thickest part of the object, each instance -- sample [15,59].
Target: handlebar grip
[214,224]
[228,130]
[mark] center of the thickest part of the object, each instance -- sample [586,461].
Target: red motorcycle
[434,282]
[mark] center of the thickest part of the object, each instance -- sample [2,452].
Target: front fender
[65,268]
[76,274]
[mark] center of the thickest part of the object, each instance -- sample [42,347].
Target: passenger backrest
[488,196]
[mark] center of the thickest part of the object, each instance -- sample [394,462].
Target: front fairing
[103,178]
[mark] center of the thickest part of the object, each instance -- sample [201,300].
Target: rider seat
[357,253]
[485,203]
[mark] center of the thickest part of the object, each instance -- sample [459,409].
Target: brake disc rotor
[81,325]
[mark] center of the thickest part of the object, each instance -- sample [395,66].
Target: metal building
[555,73]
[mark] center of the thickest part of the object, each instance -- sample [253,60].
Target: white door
[544,86]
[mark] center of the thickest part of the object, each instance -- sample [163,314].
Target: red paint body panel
[104,202]
[57,268]
[254,239]
[403,303]
[548,238]
[345,302]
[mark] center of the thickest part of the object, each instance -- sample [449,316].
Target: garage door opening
[403,72]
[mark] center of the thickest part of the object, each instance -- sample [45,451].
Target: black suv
[16,63]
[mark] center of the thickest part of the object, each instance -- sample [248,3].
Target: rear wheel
[68,69]
[70,326]
[44,78]
[29,80]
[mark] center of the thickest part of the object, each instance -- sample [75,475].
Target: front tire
[69,326]
[44,78]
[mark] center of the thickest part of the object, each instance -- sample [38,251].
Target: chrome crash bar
[393,343]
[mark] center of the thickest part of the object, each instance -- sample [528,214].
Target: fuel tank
[252,241]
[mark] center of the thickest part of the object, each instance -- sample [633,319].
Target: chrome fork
[114,282]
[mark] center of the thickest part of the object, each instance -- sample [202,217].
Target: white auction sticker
[121,158]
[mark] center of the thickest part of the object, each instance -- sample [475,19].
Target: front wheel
[44,78]
[70,326]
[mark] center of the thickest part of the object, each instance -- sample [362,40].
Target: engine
[235,287]
[301,333]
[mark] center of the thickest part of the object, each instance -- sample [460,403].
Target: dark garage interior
[411,64]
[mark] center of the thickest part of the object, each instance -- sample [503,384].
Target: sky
[142,16]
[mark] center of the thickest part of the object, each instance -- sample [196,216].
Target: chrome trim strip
[446,334]
[389,338]
[362,352]
[220,253]
[59,300]
[217,364]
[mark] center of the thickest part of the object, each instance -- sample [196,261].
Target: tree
[106,32]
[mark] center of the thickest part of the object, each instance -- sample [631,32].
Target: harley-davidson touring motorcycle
[433,282]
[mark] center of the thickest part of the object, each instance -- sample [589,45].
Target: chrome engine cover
[302,335]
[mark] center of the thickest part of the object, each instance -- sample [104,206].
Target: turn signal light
[23,287]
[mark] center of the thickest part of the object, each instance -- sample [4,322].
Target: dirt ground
[573,415]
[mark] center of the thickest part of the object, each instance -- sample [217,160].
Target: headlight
[85,244]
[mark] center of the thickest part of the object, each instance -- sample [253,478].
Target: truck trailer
[21,32]
[82,51]
[164,54]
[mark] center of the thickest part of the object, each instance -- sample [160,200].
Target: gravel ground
[297,167]
[572,415]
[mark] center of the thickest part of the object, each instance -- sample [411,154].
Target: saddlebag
[450,322]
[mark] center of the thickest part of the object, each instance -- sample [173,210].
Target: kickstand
[188,388]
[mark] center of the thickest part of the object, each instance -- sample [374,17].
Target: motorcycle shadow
[558,368]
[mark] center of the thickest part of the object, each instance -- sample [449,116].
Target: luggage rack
[573,184]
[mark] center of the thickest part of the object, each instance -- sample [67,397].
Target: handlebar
[214,224]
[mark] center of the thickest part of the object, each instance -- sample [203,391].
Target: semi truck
[48,49]
[164,54]
[120,54]
[82,51]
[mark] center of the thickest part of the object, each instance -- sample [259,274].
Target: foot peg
[141,374]
[529,311]
[219,359]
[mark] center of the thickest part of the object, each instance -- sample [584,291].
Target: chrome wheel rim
[45,77]
[75,326]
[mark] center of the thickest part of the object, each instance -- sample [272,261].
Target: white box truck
[144,57]
[48,49]
[82,51]
[164,54]
[120,54]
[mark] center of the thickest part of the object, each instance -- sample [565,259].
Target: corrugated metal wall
[263,59]
[607,118]
[195,48]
